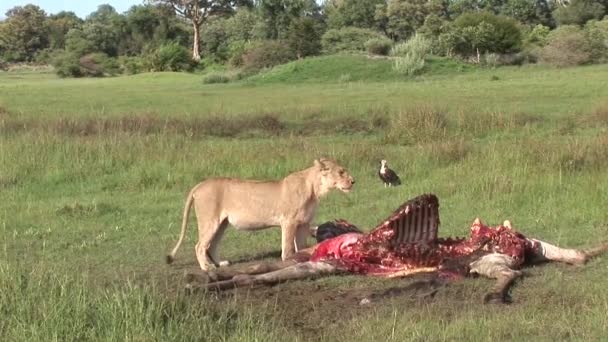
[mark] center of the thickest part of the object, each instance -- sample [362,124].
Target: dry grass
[480,124]
[244,126]
[417,126]
[598,117]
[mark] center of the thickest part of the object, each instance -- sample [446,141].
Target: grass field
[94,172]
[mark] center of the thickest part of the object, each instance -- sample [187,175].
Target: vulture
[388,176]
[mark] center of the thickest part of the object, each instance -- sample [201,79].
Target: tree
[304,38]
[578,12]
[404,17]
[58,26]
[198,12]
[277,15]
[24,32]
[357,13]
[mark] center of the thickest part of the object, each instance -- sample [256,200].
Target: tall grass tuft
[416,126]
[411,55]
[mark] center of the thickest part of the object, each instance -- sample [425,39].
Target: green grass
[91,202]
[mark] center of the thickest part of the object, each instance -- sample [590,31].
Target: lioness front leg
[288,234]
[302,236]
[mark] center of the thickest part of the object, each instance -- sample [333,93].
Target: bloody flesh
[407,241]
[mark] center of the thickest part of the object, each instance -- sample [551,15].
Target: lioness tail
[171,256]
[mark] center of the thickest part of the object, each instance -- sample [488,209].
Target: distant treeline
[251,35]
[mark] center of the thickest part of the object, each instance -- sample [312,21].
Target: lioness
[290,203]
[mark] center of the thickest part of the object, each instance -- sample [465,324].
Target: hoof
[496,298]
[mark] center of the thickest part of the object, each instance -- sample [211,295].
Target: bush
[66,64]
[596,33]
[578,12]
[221,77]
[170,57]
[417,45]
[477,33]
[267,54]
[411,55]
[379,46]
[566,46]
[348,39]
[304,38]
[408,65]
[131,65]
[98,64]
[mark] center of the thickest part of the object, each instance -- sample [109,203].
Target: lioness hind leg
[209,236]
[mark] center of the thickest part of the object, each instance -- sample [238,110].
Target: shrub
[578,12]
[596,33]
[131,65]
[216,77]
[411,55]
[378,46]
[170,57]
[66,64]
[491,60]
[417,45]
[221,77]
[567,46]
[98,64]
[348,39]
[304,38]
[267,54]
[477,33]
[409,65]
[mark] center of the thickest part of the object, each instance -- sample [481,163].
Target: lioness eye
[341,172]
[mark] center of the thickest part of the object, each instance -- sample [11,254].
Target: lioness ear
[320,165]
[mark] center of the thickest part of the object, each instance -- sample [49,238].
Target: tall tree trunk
[196,55]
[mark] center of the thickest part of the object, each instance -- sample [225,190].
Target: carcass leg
[499,267]
[547,252]
[293,271]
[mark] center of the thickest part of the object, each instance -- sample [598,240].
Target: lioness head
[333,176]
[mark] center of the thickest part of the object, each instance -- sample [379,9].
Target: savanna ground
[94,173]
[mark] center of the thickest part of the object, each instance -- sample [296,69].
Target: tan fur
[289,203]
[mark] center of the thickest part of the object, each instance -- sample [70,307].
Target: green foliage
[475,33]
[222,77]
[266,54]
[348,39]
[131,65]
[23,33]
[66,64]
[409,65]
[170,57]
[537,36]
[59,25]
[418,45]
[379,46]
[596,33]
[566,46]
[404,17]
[578,12]
[411,55]
[98,64]
[278,15]
[357,13]
[304,37]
